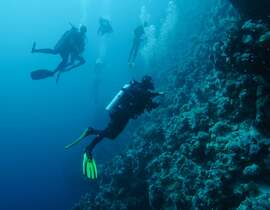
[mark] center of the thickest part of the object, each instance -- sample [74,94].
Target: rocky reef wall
[208,145]
[252,9]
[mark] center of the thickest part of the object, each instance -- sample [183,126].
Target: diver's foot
[89,155]
[88,152]
[89,166]
[34,47]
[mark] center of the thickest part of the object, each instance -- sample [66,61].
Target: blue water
[39,117]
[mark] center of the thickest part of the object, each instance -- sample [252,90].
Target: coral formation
[252,9]
[208,146]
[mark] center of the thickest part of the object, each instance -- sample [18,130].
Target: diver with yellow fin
[70,48]
[131,101]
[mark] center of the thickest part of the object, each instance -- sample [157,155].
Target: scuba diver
[105,27]
[70,47]
[132,100]
[139,37]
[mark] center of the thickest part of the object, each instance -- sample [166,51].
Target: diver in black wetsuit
[132,101]
[105,27]
[77,47]
[134,98]
[139,37]
[70,47]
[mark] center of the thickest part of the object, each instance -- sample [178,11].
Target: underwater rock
[263,112]
[252,171]
[247,40]
[220,129]
[253,27]
[155,197]
[264,40]
[241,191]
[251,8]
[246,55]
[257,203]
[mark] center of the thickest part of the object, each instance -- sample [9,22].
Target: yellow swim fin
[89,167]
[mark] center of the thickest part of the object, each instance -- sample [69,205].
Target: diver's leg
[136,50]
[34,46]
[81,61]
[63,64]
[116,126]
[92,145]
[62,67]
[45,51]
[131,53]
[93,131]
[87,132]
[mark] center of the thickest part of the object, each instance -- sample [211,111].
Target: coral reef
[246,53]
[252,9]
[208,145]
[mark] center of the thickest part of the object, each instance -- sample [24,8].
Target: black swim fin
[41,74]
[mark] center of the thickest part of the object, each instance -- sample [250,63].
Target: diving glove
[89,167]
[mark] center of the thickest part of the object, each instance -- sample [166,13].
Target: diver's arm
[155,94]
[152,104]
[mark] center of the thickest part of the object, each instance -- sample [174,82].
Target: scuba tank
[114,104]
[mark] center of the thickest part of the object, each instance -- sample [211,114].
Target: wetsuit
[69,47]
[137,99]
[138,38]
[104,27]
